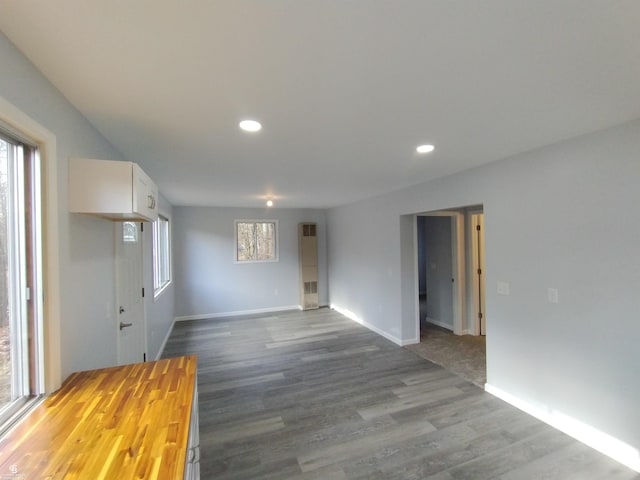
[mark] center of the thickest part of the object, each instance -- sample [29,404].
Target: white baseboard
[440,324]
[237,313]
[166,338]
[352,316]
[600,441]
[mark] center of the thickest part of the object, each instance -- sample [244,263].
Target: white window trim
[235,241]
[158,292]
[46,141]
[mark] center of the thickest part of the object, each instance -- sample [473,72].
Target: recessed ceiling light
[269,203]
[425,148]
[250,125]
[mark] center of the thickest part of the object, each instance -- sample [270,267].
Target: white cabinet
[111,189]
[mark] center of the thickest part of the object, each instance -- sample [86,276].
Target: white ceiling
[345,89]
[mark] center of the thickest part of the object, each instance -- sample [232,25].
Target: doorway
[441,267]
[449,246]
[130,314]
[436,271]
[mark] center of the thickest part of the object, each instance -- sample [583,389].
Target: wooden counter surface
[114,423]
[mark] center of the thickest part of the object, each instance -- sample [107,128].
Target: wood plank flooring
[313,395]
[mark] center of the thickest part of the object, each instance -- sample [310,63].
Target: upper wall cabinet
[111,189]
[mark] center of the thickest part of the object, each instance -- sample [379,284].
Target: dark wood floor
[312,395]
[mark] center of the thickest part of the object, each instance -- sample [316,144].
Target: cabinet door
[145,195]
[100,187]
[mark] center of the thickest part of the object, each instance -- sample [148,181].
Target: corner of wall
[166,339]
[600,441]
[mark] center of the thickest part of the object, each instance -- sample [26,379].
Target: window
[161,254]
[256,241]
[21,331]
[129,232]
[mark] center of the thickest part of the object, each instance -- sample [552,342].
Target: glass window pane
[5,327]
[164,250]
[16,261]
[130,232]
[246,241]
[161,253]
[265,241]
[20,288]
[256,241]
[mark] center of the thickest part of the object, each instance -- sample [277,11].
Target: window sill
[21,414]
[242,262]
[159,291]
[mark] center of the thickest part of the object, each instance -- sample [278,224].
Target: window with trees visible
[256,240]
[161,254]
[21,330]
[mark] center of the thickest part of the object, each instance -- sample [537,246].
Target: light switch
[503,288]
[552,295]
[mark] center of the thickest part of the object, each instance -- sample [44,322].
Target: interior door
[129,294]
[439,271]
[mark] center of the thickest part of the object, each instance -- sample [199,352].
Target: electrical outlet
[552,295]
[503,288]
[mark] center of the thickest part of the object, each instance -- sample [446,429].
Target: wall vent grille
[308,252]
[308,230]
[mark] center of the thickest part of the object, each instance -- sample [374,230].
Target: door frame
[475,264]
[117,240]
[458,268]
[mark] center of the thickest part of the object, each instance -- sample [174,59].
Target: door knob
[125,325]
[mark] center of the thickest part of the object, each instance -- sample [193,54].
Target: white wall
[209,283]
[422,255]
[88,328]
[564,217]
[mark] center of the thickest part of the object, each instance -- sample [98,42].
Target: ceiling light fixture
[250,126]
[425,148]
[269,203]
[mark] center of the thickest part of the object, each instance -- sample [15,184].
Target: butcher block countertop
[114,423]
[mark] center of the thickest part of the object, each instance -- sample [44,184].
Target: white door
[129,294]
